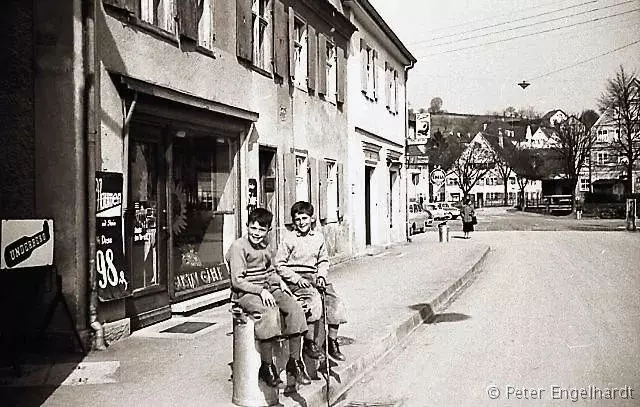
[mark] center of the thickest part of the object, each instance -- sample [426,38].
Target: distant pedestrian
[468,216]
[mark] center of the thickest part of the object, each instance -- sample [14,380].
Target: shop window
[203,198]
[260,23]
[159,13]
[303,179]
[300,53]
[332,191]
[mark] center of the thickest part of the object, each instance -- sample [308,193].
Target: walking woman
[468,216]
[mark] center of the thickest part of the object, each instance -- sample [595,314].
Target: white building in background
[377,71]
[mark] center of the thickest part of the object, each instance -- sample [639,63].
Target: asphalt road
[553,313]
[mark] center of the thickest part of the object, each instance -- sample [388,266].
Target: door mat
[188,327]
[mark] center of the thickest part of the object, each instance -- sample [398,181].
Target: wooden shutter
[289,177]
[374,73]
[313,163]
[312,57]
[129,6]
[188,19]
[322,64]
[394,89]
[322,175]
[341,84]
[280,39]
[292,46]
[244,32]
[342,191]
[363,66]
[387,82]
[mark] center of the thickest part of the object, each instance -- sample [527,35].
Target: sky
[566,51]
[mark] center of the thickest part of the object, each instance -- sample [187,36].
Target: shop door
[147,235]
[368,173]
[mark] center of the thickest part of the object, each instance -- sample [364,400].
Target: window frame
[301,49]
[331,72]
[206,36]
[260,26]
[332,191]
[151,15]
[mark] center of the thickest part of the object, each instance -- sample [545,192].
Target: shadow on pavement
[447,317]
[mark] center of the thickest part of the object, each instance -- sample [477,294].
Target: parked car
[447,207]
[436,213]
[418,218]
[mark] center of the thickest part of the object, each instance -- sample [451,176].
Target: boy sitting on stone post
[258,289]
[303,261]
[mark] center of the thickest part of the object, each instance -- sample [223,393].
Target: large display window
[204,223]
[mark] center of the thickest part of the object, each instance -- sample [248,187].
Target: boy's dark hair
[262,216]
[303,207]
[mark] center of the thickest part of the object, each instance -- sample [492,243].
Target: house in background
[552,118]
[377,72]
[606,170]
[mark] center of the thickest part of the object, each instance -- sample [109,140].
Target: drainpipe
[91,83]
[406,157]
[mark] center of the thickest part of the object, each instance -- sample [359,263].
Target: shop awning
[187,99]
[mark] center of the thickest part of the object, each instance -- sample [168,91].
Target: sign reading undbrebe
[26,243]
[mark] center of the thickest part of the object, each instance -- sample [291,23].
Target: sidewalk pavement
[387,295]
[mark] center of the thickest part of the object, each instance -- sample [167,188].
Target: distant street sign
[437,177]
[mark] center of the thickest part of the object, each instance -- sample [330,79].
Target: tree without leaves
[572,146]
[528,165]
[473,164]
[504,159]
[622,100]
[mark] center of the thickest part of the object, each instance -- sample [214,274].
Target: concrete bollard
[443,232]
[248,390]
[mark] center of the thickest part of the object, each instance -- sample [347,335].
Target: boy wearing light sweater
[303,262]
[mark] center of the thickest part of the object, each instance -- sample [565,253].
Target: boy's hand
[321,283]
[285,288]
[303,283]
[267,299]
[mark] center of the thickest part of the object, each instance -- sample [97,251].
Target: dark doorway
[368,173]
[267,194]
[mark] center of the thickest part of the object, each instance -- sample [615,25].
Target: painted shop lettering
[208,275]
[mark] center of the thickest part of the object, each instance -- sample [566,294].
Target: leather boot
[269,374]
[296,368]
[311,350]
[334,350]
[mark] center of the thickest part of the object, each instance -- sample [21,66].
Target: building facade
[166,122]
[377,181]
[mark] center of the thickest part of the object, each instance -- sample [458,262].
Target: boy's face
[257,233]
[302,222]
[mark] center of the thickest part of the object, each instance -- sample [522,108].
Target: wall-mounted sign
[423,125]
[112,271]
[437,177]
[26,243]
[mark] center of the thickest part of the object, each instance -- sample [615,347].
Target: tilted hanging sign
[26,243]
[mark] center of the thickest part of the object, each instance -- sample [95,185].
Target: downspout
[406,148]
[91,82]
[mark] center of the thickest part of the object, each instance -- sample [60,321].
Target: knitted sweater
[250,266]
[302,256]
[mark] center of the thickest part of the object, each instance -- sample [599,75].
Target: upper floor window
[260,23]
[332,191]
[512,180]
[300,52]
[331,72]
[159,13]
[369,58]
[205,25]
[391,76]
[584,184]
[602,157]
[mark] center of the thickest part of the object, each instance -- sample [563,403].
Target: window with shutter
[280,40]
[289,176]
[331,71]
[332,191]
[188,18]
[341,61]
[364,66]
[387,88]
[300,53]
[322,63]
[322,178]
[160,14]
[394,94]
[312,43]
[260,25]
[374,74]
[342,190]
[244,33]
[205,23]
